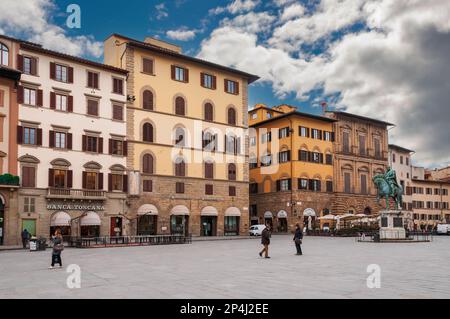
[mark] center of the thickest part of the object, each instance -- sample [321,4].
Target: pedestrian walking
[265,241]
[298,237]
[58,247]
[25,238]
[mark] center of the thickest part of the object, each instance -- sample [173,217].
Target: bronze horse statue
[386,190]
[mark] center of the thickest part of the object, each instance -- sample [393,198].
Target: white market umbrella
[328,217]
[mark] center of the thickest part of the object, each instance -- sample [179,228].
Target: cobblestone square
[329,268]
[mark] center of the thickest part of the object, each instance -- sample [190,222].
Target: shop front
[268,219]
[309,218]
[232,221]
[282,221]
[90,225]
[179,220]
[61,221]
[208,220]
[147,220]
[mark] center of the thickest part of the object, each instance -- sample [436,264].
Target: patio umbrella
[328,217]
[338,220]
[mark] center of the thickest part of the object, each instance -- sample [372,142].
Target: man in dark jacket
[25,238]
[298,237]
[265,241]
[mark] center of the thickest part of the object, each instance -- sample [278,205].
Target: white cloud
[237,6]
[251,22]
[161,11]
[30,19]
[181,34]
[293,11]
[397,70]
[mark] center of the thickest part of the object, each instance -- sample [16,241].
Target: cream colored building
[188,155]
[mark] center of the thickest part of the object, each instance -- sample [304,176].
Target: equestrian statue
[388,187]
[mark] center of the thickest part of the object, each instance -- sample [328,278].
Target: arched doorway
[179,220]
[90,225]
[268,219]
[232,221]
[208,221]
[282,221]
[309,218]
[61,221]
[147,224]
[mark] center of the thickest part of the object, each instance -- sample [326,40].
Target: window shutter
[40,101]
[172,71]
[332,136]
[186,75]
[311,184]
[237,88]
[125,184]
[70,75]
[90,79]
[20,94]
[125,148]
[39,137]
[33,66]
[110,146]
[51,178]
[110,182]
[69,141]
[289,156]
[100,181]
[100,145]
[289,184]
[214,82]
[19,134]
[202,79]
[53,100]
[69,179]
[51,140]
[70,103]
[321,158]
[96,84]
[20,62]
[84,143]
[84,180]
[278,186]
[52,71]
[225,85]
[225,145]
[308,132]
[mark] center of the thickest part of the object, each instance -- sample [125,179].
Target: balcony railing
[75,193]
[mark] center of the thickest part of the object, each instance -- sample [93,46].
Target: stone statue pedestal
[392,225]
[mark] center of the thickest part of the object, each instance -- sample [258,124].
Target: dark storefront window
[179,225]
[147,225]
[231,226]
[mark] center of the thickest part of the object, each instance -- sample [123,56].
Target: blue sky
[386,59]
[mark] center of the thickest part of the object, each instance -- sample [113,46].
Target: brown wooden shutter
[51,140]
[20,94]
[125,148]
[110,182]
[70,103]
[110,146]
[172,71]
[84,180]
[33,66]
[19,134]
[100,181]
[51,178]
[84,143]
[96,80]
[40,98]
[70,76]
[39,137]
[53,100]
[69,179]
[69,141]
[125,184]
[20,62]
[100,145]
[90,79]
[214,82]
[52,71]
[278,186]
[202,79]
[225,85]
[186,75]
[237,88]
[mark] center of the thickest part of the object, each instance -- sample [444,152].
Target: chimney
[324,107]
[163,44]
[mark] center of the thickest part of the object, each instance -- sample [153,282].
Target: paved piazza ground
[330,268]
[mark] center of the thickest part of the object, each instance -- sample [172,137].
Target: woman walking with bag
[58,247]
[298,236]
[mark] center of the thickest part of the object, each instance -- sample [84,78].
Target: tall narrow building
[187,156]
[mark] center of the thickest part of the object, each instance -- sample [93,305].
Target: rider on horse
[391,179]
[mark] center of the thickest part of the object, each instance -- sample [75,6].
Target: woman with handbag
[58,247]
[298,236]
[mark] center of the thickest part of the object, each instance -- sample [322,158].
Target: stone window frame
[29,161]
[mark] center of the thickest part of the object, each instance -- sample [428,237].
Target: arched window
[4,55]
[209,112]
[180,137]
[232,172]
[180,106]
[147,164]
[180,167]
[209,170]
[231,116]
[147,100]
[147,133]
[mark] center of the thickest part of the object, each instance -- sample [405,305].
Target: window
[117,147]
[91,180]
[180,74]
[253,141]
[117,182]
[4,55]
[209,112]
[429,205]
[92,79]
[253,161]
[232,145]
[302,183]
[59,178]
[317,157]
[284,185]
[316,134]
[29,205]
[147,164]
[303,155]
[209,189]
[209,170]
[118,86]
[231,87]
[232,172]
[29,136]
[179,188]
[60,140]
[283,132]
[363,184]
[29,65]
[232,191]
[92,107]
[93,144]
[393,158]
[329,186]
[346,142]
[61,73]
[362,145]
[407,161]
[180,106]
[147,100]
[147,66]
[377,148]
[29,96]
[329,159]
[347,185]
[28,176]
[117,112]
[61,102]
[269,115]
[147,186]
[209,142]
[284,157]
[253,188]
[147,133]
[314,185]
[254,116]
[180,168]
[267,137]
[208,81]
[266,160]
[429,191]
[437,191]
[445,192]
[401,159]
[231,116]
[180,138]
[328,136]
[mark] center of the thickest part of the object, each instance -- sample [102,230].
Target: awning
[209,211]
[268,214]
[233,211]
[328,217]
[309,212]
[60,219]
[90,219]
[282,214]
[147,209]
[180,210]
